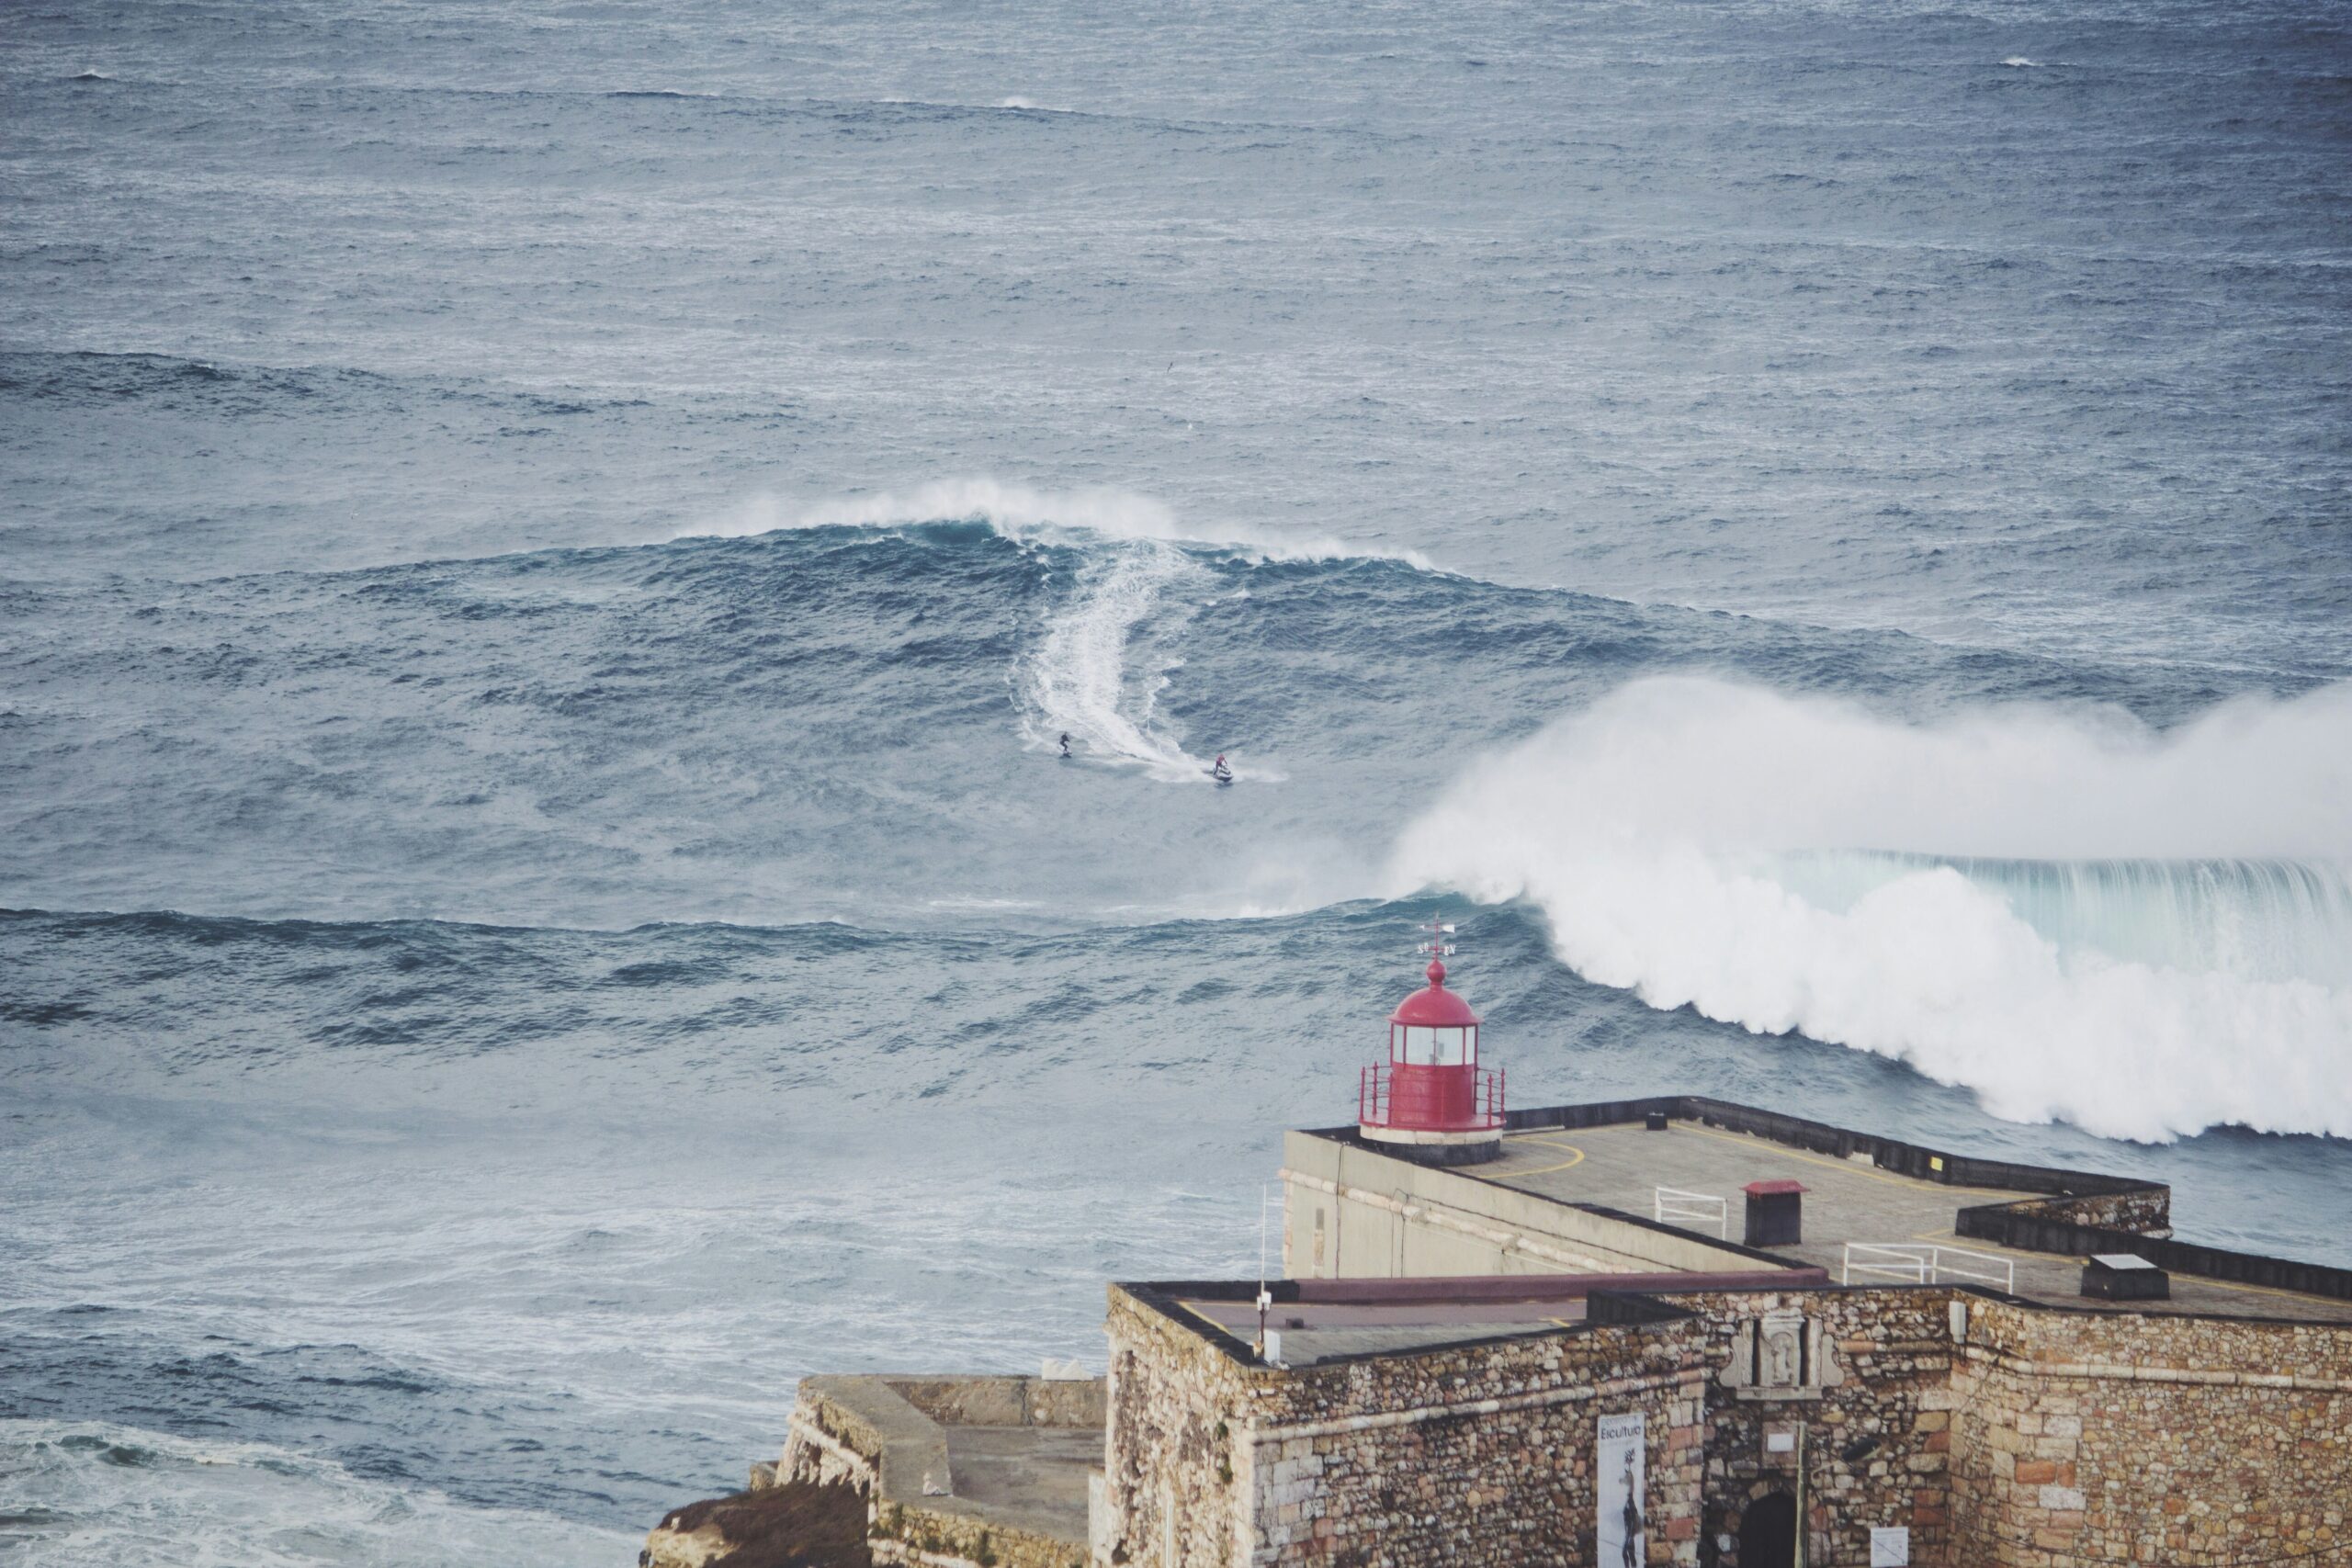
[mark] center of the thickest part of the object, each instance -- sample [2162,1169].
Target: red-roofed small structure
[1775,1213]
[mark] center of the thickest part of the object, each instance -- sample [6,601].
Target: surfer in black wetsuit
[1065,743]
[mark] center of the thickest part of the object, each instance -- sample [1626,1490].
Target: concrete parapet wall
[861,1432]
[1352,1212]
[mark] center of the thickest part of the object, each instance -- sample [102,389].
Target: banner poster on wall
[1624,1532]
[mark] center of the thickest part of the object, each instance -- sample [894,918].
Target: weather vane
[1437,946]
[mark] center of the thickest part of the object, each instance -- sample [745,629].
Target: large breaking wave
[1136,558]
[2079,917]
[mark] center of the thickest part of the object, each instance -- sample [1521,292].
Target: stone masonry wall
[1478,1456]
[1517,1486]
[2146,1213]
[1170,1489]
[1880,1390]
[2000,1435]
[2129,1438]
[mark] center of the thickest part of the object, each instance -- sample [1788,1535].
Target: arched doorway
[1768,1532]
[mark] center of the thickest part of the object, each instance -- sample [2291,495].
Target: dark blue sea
[545,551]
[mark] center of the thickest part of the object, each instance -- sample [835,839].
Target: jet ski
[1220,772]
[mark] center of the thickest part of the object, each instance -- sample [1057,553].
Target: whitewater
[2145,934]
[544,561]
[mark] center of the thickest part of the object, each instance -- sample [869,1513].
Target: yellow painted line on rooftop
[1849,1166]
[1959,1243]
[1575,1156]
[2254,1290]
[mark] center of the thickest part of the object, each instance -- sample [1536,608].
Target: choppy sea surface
[545,552]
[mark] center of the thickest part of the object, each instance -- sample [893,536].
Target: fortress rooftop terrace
[1628,1195]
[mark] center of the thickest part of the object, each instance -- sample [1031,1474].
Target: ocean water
[544,552]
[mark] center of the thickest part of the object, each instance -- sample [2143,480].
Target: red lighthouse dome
[1431,1100]
[1435,1007]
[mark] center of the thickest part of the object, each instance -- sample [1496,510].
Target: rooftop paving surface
[1033,1476]
[1017,1450]
[1621,1166]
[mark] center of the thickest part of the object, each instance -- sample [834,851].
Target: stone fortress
[1661,1331]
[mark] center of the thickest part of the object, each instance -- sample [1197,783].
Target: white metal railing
[1984,1267]
[1903,1262]
[1926,1263]
[1671,1205]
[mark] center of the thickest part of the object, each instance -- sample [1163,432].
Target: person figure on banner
[1633,1519]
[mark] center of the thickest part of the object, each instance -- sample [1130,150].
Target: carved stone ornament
[1777,1351]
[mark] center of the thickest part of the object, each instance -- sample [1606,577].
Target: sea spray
[1676,834]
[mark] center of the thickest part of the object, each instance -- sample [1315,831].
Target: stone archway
[1768,1532]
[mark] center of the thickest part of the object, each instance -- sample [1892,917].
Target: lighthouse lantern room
[1431,1102]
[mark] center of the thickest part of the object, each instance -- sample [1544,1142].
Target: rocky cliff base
[795,1525]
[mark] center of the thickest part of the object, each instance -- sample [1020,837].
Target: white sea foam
[1728,849]
[113,1495]
[2020,62]
[1077,680]
[1023,513]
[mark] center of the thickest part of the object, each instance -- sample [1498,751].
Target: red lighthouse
[1431,1102]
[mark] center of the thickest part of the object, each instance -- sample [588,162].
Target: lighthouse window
[1432,1047]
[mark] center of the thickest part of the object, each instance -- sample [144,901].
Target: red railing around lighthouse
[1378,1103]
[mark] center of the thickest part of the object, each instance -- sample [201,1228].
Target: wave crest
[1022,512]
[95,1492]
[1931,892]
